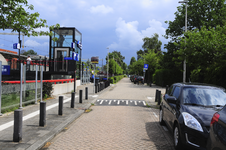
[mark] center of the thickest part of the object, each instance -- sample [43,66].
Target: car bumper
[194,139]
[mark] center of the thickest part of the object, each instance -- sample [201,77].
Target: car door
[166,107]
[172,107]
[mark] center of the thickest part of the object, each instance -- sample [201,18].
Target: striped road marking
[118,102]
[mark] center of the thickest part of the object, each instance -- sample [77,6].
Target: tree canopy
[29,52]
[152,43]
[15,15]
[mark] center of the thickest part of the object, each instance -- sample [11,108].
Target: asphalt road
[119,119]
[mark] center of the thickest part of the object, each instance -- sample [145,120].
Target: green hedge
[115,79]
[165,77]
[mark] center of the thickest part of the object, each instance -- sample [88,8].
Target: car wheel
[176,138]
[161,121]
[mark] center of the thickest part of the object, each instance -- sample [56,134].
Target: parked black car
[139,79]
[187,110]
[217,137]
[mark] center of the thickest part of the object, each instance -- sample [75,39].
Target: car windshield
[204,96]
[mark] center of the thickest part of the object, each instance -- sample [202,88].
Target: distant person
[60,41]
[28,63]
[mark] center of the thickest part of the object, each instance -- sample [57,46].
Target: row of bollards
[18,114]
[102,85]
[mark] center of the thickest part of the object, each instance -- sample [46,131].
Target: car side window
[176,92]
[170,90]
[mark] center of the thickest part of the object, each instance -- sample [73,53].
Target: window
[176,92]
[170,90]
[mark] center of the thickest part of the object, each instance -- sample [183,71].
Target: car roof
[198,85]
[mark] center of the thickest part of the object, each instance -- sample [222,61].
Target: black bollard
[72,99]
[60,110]
[167,88]
[80,96]
[98,87]
[42,118]
[86,92]
[18,121]
[156,95]
[159,97]
[95,88]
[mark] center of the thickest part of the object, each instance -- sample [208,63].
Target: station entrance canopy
[61,48]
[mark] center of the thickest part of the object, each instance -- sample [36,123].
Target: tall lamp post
[184,72]
[108,63]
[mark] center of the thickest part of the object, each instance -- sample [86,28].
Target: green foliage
[15,15]
[47,89]
[29,52]
[133,59]
[115,79]
[152,43]
[165,77]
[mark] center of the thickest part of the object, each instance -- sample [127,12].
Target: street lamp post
[184,72]
[108,63]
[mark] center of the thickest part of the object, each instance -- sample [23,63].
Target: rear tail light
[215,118]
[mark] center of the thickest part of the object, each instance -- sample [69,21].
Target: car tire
[177,138]
[161,121]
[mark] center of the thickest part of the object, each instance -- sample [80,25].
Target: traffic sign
[146,66]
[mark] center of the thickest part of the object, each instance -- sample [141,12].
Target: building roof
[11,54]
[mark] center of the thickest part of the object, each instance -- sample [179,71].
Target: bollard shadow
[158,136]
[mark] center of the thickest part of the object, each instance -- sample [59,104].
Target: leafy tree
[152,43]
[29,52]
[15,15]
[208,14]
[132,60]
[139,53]
[205,51]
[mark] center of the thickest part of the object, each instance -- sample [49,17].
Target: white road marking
[118,102]
[114,100]
[155,114]
[11,123]
[135,102]
[144,103]
[106,100]
[123,101]
[165,128]
[101,102]
[139,101]
[98,100]
[109,102]
[149,97]
[126,102]
[131,101]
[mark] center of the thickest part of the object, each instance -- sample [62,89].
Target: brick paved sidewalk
[114,127]
[117,127]
[34,136]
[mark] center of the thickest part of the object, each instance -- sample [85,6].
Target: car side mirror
[171,99]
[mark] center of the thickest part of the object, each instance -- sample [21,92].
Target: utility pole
[108,63]
[184,72]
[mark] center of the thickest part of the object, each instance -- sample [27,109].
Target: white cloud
[101,9]
[31,43]
[129,38]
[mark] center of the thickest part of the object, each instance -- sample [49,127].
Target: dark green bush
[165,77]
[47,89]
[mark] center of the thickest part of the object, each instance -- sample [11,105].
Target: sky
[119,25]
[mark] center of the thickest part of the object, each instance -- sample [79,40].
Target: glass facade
[60,41]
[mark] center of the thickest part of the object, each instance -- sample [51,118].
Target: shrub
[47,89]
[165,77]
